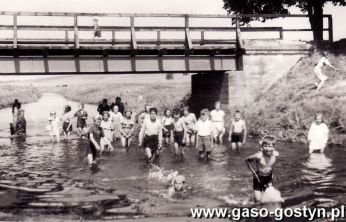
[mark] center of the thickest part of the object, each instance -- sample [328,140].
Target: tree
[314,8]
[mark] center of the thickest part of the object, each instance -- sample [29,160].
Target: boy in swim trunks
[265,161]
[150,135]
[217,116]
[179,133]
[237,134]
[190,121]
[82,116]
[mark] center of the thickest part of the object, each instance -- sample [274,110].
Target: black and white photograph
[173,110]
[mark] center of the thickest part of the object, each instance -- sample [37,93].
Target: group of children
[181,128]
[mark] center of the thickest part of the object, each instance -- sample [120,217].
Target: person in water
[167,126]
[82,116]
[205,136]
[264,160]
[318,134]
[318,70]
[19,129]
[237,133]
[179,130]
[66,119]
[107,127]
[217,116]
[178,188]
[53,127]
[127,129]
[150,136]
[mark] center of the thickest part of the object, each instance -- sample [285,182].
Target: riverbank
[159,93]
[25,94]
[288,107]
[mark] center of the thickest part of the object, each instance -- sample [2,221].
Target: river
[41,179]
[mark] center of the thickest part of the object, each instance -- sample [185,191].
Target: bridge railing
[188,42]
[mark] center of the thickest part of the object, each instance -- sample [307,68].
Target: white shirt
[204,128]
[318,136]
[217,116]
[151,128]
[116,118]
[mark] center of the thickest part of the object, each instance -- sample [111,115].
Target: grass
[25,94]
[288,107]
[135,96]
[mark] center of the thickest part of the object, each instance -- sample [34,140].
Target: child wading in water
[204,135]
[67,121]
[218,118]
[107,127]
[53,127]
[96,134]
[82,116]
[318,134]
[167,126]
[151,135]
[265,161]
[179,133]
[237,134]
[190,123]
[127,129]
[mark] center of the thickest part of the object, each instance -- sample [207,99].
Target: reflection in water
[319,169]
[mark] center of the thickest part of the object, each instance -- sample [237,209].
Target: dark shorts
[92,150]
[179,137]
[167,134]
[237,137]
[204,144]
[151,142]
[81,124]
[263,184]
[65,125]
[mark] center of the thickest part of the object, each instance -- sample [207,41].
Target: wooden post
[133,33]
[15,32]
[188,42]
[202,38]
[281,34]
[113,37]
[76,36]
[66,37]
[238,34]
[330,28]
[158,34]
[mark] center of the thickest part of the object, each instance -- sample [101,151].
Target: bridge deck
[128,46]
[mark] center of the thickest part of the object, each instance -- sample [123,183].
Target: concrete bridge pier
[227,87]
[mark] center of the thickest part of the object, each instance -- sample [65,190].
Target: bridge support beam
[227,87]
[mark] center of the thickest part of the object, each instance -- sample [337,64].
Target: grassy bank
[135,96]
[288,107]
[25,94]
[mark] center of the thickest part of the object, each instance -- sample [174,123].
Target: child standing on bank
[127,129]
[107,127]
[167,126]
[53,127]
[179,133]
[204,142]
[151,135]
[82,116]
[318,134]
[264,160]
[237,133]
[190,121]
[217,116]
